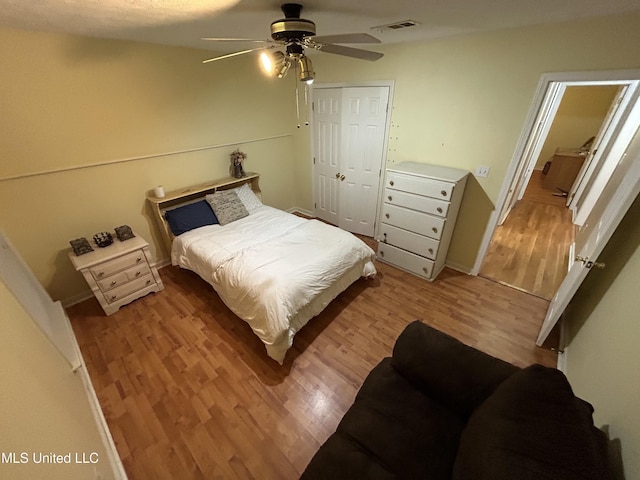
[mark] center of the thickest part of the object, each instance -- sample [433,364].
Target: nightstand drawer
[417,202]
[406,260]
[414,221]
[128,288]
[113,281]
[419,185]
[419,244]
[117,264]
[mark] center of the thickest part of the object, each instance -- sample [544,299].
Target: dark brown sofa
[438,409]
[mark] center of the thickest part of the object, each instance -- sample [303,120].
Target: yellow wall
[602,357]
[70,101]
[43,403]
[579,117]
[463,101]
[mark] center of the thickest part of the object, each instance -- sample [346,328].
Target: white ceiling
[185,22]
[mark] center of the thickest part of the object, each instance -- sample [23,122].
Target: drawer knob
[138,274]
[425,270]
[385,237]
[113,283]
[430,251]
[101,274]
[387,215]
[435,230]
[391,183]
[390,197]
[149,282]
[138,260]
[443,192]
[381,253]
[113,297]
[439,209]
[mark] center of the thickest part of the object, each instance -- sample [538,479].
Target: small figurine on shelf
[237,157]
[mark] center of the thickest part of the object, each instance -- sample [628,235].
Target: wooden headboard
[184,196]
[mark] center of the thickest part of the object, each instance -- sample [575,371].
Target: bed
[273,269]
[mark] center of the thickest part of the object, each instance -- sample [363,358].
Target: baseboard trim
[458,268]
[302,211]
[107,440]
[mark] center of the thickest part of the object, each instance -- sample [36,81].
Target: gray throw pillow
[227,206]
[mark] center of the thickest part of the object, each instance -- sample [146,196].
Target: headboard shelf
[183,196]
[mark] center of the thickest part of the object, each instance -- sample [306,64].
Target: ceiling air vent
[395,26]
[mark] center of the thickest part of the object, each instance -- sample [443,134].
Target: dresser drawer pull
[113,297]
[443,192]
[138,273]
[430,251]
[101,274]
[381,253]
[149,282]
[435,230]
[390,197]
[391,183]
[387,215]
[113,283]
[138,260]
[385,237]
[425,270]
[439,209]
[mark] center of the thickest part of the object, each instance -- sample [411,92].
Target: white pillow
[248,197]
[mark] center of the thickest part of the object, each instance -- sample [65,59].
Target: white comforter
[275,270]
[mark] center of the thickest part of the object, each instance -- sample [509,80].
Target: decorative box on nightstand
[119,273]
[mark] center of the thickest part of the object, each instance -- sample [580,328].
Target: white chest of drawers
[119,273]
[419,212]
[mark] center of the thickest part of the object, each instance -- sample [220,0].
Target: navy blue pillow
[188,217]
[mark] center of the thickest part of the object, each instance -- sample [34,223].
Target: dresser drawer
[416,222]
[406,260]
[419,185]
[113,281]
[128,288]
[117,264]
[419,244]
[416,202]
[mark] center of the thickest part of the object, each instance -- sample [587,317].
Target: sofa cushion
[391,431]
[447,370]
[532,427]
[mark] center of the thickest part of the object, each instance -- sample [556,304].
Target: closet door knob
[338,175]
[342,177]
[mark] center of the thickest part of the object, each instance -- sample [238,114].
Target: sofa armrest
[446,369]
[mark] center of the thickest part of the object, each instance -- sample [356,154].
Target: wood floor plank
[189,392]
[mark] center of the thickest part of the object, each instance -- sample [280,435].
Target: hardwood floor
[530,250]
[188,390]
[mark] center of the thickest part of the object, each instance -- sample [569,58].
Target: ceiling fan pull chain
[297,103]
[306,104]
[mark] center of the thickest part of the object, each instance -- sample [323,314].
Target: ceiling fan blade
[346,38]
[213,39]
[232,55]
[351,52]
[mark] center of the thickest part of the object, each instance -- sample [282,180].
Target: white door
[350,130]
[327,116]
[623,119]
[616,198]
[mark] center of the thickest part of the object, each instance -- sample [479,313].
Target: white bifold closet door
[349,128]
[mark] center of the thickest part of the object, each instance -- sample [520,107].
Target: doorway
[350,131]
[606,155]
[530,247]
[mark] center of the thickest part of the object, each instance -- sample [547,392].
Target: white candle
[159,191]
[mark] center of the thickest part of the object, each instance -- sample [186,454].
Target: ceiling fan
[294,35]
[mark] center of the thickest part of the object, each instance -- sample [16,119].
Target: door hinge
[314,160]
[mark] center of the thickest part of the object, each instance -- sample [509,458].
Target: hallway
[530,250]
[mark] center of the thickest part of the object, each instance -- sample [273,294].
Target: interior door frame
[520,161]
[385,147]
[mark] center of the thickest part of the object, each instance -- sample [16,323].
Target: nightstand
[119,273]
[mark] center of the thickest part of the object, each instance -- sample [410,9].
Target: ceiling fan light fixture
[306,70]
